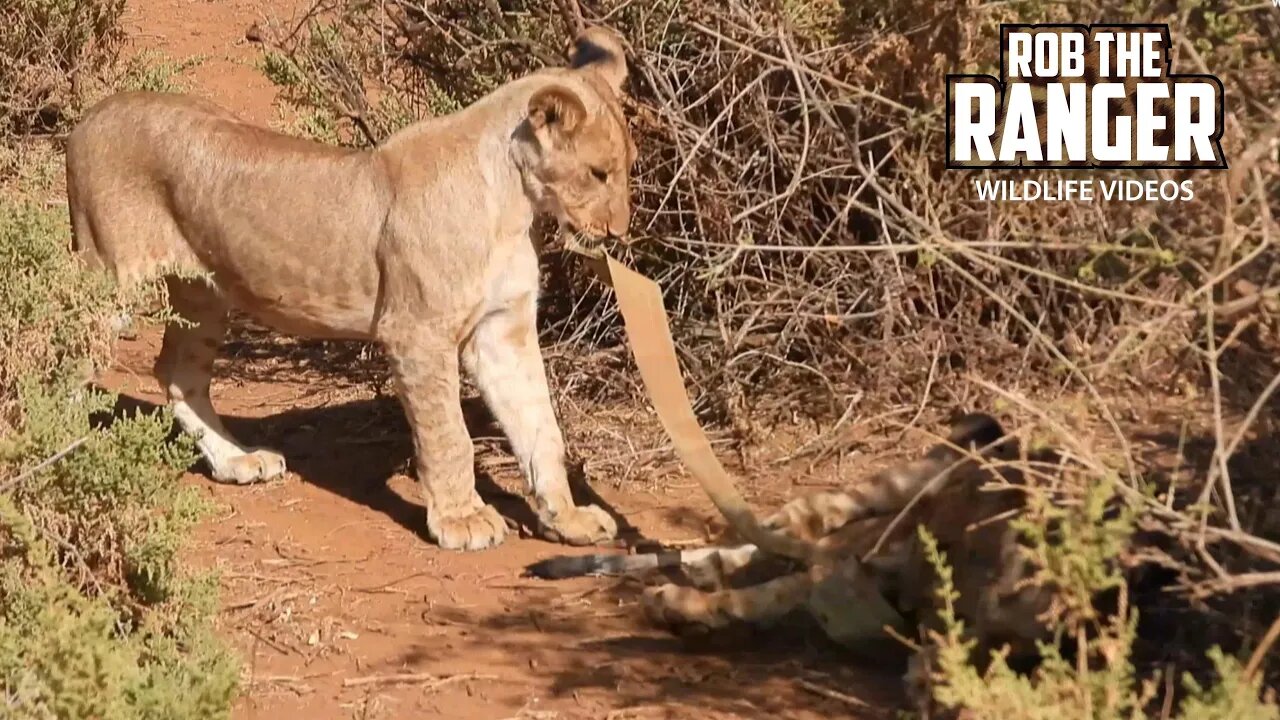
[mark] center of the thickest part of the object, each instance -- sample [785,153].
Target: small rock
[254,33]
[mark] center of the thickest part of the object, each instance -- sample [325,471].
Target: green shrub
[1079,559]
[155,72]
[52,316]
[97,618]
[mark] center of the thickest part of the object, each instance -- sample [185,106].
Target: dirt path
[340,606]
[330,591]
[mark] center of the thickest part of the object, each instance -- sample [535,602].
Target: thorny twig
[6,487]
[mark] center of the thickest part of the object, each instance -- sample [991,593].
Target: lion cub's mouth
[580,242]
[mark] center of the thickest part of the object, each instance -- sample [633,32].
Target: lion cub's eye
[600,174]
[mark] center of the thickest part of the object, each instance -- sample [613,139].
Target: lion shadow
[354,449]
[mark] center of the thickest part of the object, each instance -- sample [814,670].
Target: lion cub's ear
[600,49]
[556,109]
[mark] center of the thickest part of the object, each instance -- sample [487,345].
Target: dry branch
[432,682]
[7,486]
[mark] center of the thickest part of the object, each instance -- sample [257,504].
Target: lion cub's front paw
[483,528]
[251,467]
[579,525]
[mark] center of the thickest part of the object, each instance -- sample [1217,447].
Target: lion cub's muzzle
[590,245]
[609,223]
[593,240]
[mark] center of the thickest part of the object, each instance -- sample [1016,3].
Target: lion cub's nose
[617,226]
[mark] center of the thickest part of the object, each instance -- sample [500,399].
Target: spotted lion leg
[815,514]
[675,605]
[711,568]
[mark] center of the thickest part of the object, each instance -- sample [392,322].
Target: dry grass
[47,48]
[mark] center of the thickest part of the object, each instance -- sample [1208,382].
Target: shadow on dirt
[790,670]
[1177,449]
[354,449]
[1180,446]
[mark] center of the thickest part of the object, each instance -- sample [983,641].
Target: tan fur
[845,580]
[841,528]
[421,244]
[966,502]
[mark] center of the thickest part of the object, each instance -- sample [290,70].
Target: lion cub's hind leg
[184,369]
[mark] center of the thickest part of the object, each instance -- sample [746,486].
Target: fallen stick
[433,681]
[826,692]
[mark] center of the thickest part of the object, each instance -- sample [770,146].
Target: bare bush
[790,197]
[46,49]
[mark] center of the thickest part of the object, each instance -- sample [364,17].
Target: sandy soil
[342,608]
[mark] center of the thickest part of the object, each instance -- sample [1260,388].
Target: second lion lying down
[855,560]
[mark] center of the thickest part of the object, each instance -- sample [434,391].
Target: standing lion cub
[422,243]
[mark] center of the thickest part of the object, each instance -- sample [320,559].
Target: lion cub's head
[579,153]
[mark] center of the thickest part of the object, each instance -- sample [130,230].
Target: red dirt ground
[330,589]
